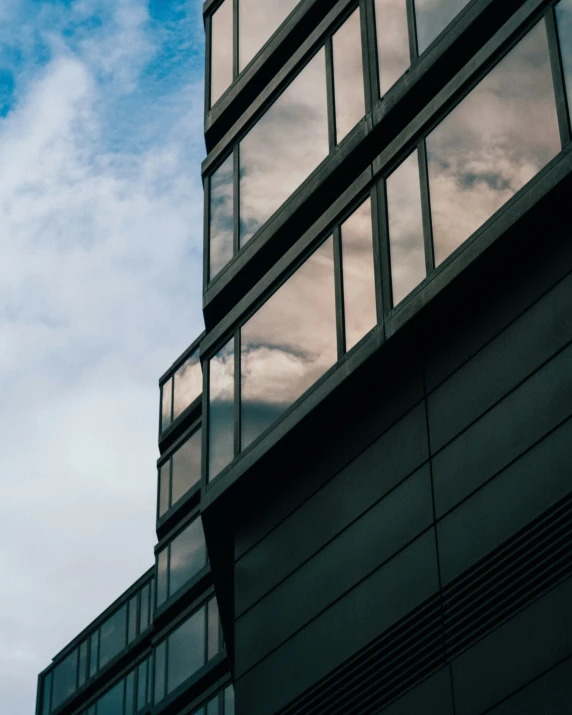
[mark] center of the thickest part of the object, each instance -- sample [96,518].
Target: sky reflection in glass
[432,17]
[221,409]
[188,384]
[257,22]
[188,556]
[392,41]
[221,217]
[493,143]
[348,75]
[186,650]
[221,50]
[288,343]
[564,20]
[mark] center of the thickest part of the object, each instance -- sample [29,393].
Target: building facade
[364,500]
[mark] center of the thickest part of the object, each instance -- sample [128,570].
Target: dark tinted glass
[288,343]
[492,143]
[188,555]
[186,650]
[358,276]
[229,700]
[112,636]
[166,404]
[112,702]
[284,147]
[564,19]
[221,50]
[433,16]
[132,619]
[142,684]
[162,570]
[144,605]
[64,679]
[348,75]
[82,676]
[257,23]
[47,694]
[392,41]
[93,642]
[213,628]
[188,384]
[159,685]
[213,706]
[186,467]
[405,221]
[221,217]
[130,693]
[221,409]
[164,480]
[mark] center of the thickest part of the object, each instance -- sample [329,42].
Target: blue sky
[100,288]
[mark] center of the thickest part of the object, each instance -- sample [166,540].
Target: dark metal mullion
[382,271]
[237,395]
[330,93]
[235,28]
[236,198]
[339,291]
[562,108]
[412,25]
[369,58]
[426,207]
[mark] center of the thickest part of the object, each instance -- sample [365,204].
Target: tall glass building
[369,509]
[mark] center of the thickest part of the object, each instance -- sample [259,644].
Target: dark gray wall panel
[365,480]
[505,432]
[529,486]
[521,649]
[352,622]
[551,694]
[504,362]
[340,565]
[433,697]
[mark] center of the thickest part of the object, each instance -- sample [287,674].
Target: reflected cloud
[492,143]
[221,409]
[221,50]
[186,467]
[432,17]
[188,555]
[392,41]
[188,384]
[348,75]
[257,23]
[221,217]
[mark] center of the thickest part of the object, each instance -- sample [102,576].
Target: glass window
[112,703]
[164,485]
[221,50]
[159,690]
[564,20]
[492,143]
[229,700]
[82,676]
[94,640]
[257,22]
[221,409]
[130,693]
[213,706]
[288,343]
[47,693]
[188,384]
[392,41]
[284,147]
[186,467]
[142,684]
[433,16]
[221,220]
[166,404]
[64,679]
[162,575]
[132,620]
[405,222]
[185,555]
[144,607]
[213,643]
[348,75]
[112,636]
[358,275]
[186,650]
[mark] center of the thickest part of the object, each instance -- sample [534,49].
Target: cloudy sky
[100,284]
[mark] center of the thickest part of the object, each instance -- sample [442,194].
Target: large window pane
[564,19]
[221,409]
[188,555]
[82,677]
[166,404]
[132,620]
[358,276]
[113,634]
[130,693]
[284,147]
[186,467]
[142,684]
[112,702]
[221,50]
[64,679]
[289,343]
[188,384]
[406,242]
[164,481]
[162,574]
[392,41]
[213,628]
[257,22]
[229,700]
[221,217]
[144,607]
[495,141]
[433,16]
[93,645]
[47,694]
[348,75]
[186,648]
[160,663]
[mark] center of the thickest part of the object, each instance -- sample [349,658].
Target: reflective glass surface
[93,641]
[221,217]
[221,50]
[142,684]
[432,17]
[82,677]
[166,404]
[144,607]
[188,555]
[392,41]
[348,75]
[492,143]
[221,409]
[213,628]
[188,384]
[162,571]
[112,702]
[284,147]
[164,480]
[229,700]
[47,694]
[358,275]
[132,619]
[213,707]
[257,22]
[159,689]
[186,466]
[64,679]
[288,343]
[130,693]
[112,636]
[405,222]
[186,648]
[564,20]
